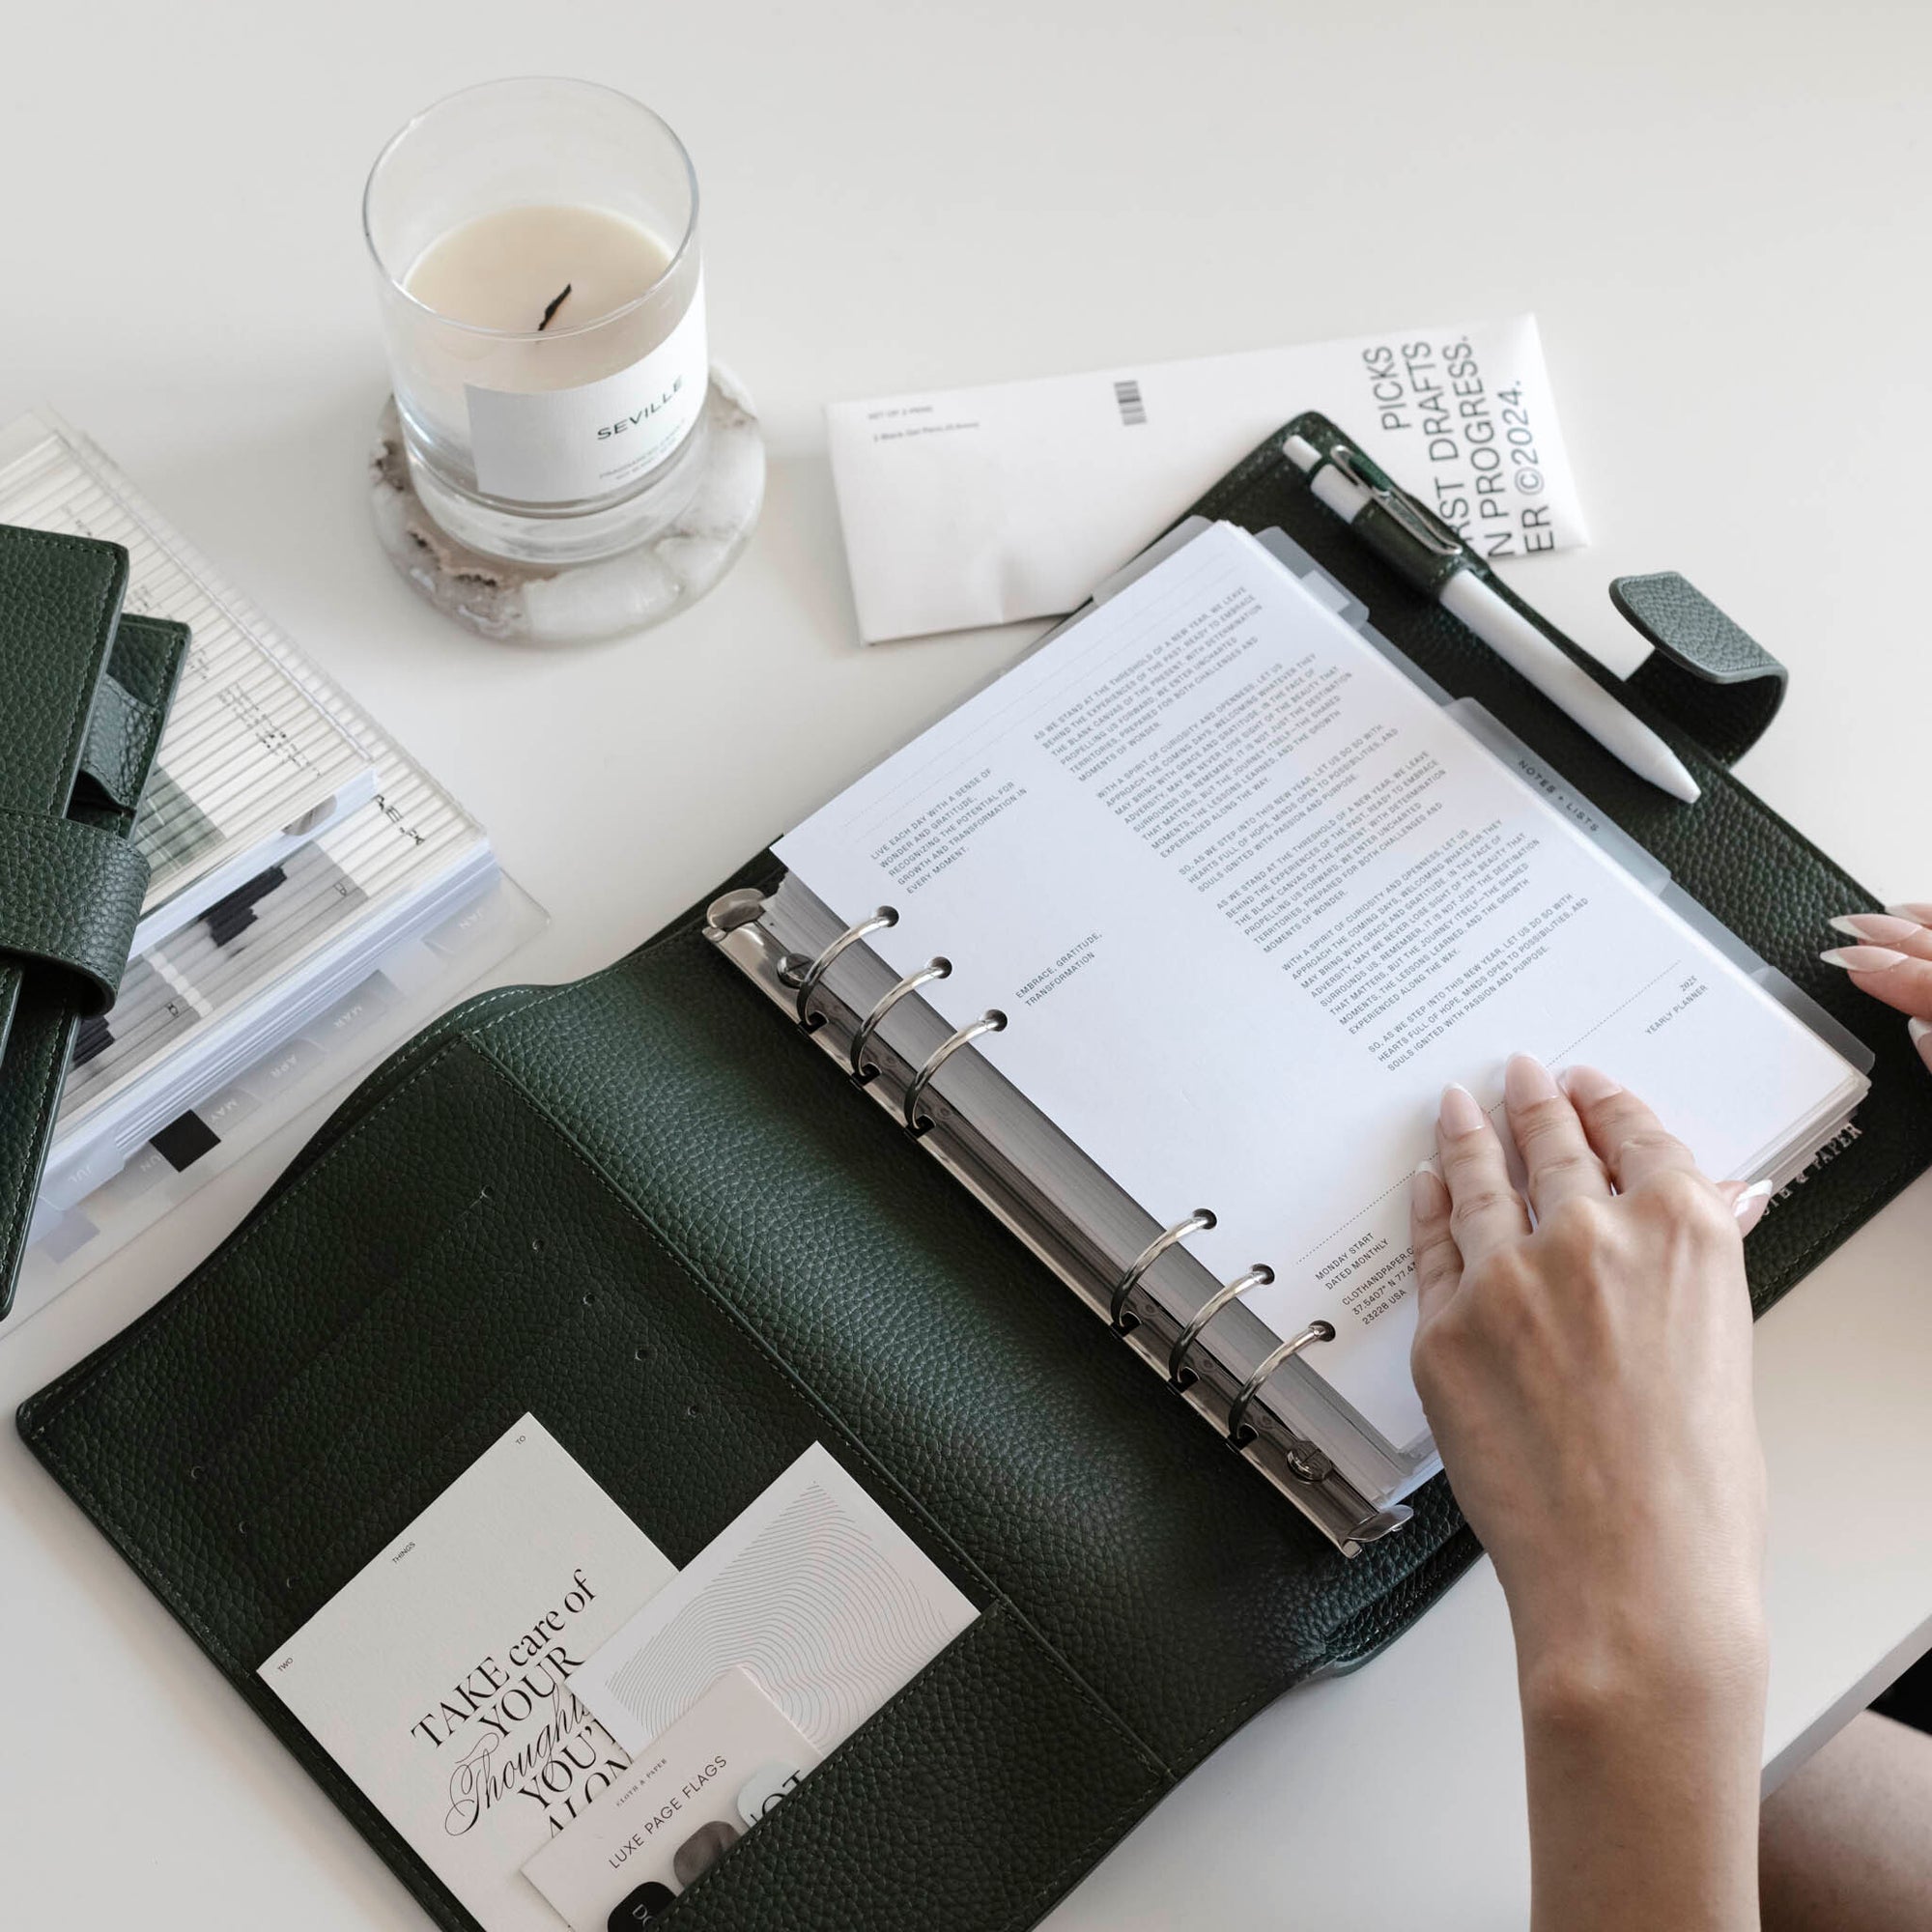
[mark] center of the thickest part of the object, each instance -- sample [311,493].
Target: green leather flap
[71,884]
[70,897]
[122,735]
[59,597]
[131,711]
[895,1828]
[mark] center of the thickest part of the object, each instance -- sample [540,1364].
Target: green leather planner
[84,692]
[646,1210]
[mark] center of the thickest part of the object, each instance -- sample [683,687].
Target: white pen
[1514,639]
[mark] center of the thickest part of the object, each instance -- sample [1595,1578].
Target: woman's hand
[1892,960]
[1589,1385]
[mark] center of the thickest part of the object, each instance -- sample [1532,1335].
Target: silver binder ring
[807,980]
[990,1021]
[1178,1372]
[1202,1217]
[1238,1431]
[934,969]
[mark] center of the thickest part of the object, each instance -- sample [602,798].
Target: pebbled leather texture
[59,598]
[640,1207]
[877,1829]
[69,897]
[1707,672]
[122,735]
[71,884]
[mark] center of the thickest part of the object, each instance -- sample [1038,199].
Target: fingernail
[1879,925]
[1919,911]
[1750,1206]
[1427,1193]
[1527,1081]
[1587,1084]
[1863,959]
[1460,1115]
[1918,1031]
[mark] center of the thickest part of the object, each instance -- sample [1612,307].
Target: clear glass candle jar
[536,252]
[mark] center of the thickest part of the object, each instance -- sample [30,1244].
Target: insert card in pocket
[442,1677]
[813,1589]
[683,1804]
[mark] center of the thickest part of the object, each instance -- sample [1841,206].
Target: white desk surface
[1717,213]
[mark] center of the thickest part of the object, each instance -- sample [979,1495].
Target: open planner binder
[1260,1389]
[644,1209]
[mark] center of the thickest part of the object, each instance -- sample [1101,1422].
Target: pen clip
[1427,528]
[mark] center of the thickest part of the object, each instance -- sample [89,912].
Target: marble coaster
[581,603]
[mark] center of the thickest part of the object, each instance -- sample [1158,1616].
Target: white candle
[576,382]
[542,297]
[542,270]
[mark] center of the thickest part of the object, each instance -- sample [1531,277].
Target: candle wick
[555,303]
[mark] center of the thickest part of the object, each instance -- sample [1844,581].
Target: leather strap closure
[1704,672]
[69,897]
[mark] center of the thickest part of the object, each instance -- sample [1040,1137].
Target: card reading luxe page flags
[439,1678]
[680,1807]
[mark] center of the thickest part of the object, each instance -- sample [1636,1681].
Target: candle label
[562,446]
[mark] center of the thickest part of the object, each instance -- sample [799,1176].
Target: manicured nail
[1863,959]
[1882,926]
[1527,1081]
[1587,1084]
[1919,911]
[1750,1206]
[1427,1194]
[1918,1031]
[1459,1113]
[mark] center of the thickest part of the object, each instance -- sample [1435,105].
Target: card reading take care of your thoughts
[439,1678]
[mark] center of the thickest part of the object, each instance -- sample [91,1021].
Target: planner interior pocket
[994,1775]
[555,1297]
[978,1793]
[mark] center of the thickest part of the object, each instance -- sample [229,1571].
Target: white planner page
[1249,898]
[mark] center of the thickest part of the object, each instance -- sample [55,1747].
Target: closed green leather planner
[644,1208]
[84,692]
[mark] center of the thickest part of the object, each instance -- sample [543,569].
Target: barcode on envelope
[1133,412]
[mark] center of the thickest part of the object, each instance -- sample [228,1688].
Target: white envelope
[964,507]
